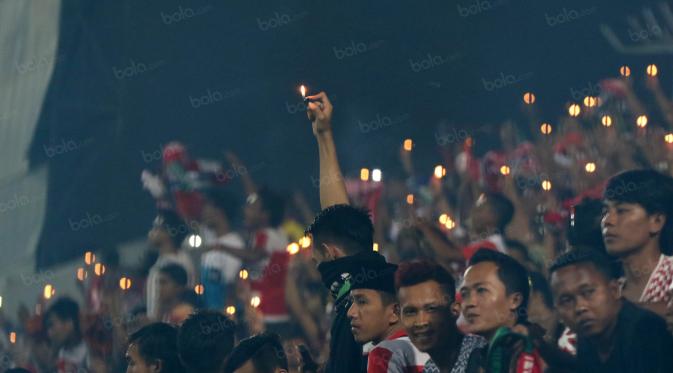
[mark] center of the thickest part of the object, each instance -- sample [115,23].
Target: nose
[608,219]
[422,319]
[352,312]
[581,306]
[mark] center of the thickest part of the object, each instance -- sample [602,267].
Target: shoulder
[638,321]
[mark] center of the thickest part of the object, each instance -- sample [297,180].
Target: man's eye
[481,290]
[408,312]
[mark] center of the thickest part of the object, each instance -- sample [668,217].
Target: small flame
[303,90]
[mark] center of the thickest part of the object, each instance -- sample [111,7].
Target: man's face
[136,363]
[627,227]
[210,215]
[158,236]
[59,331]
[253,213]
[585,300]
[168,289]
[370,318]
[485,303]
[482,217]
[425,311]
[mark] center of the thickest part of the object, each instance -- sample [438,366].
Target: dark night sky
[132,72]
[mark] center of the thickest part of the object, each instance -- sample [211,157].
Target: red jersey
[272,272]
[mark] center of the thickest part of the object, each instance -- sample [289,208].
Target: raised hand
[319,112]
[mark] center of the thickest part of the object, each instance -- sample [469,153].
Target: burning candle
[293,248]
[81,274]
[302,89]
[49,291]
[546,128]
[440,171]
[364,174]
[625,71]
[574,110]
[641,121]
[546,185]
[408,144]
[410,199]
[529,98]
[606,121]
[125,283]
[504,170]
[590,167]
[255,301]
[652,70]
[198,289]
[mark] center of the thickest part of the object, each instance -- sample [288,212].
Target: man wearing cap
[375,317]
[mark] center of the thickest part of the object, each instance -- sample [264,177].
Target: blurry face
[482,217]
[425,311]
[168,289]
[253,214]
[59,331]
[485,304]
[370,318]
[627,227]
[585,300]
[211,216]
[157,236]
[136,364]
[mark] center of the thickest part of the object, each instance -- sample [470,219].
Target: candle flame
[303,90]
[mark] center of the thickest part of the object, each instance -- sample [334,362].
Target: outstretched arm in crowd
[248,184]
[332,187]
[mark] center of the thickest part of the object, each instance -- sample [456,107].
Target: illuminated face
[627,227]
[253,213]
[485,303]
[370,318]
[425,311]
[585,300]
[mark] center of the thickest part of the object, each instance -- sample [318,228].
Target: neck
[439,355]
[605,341]
[392,329]
[641,263]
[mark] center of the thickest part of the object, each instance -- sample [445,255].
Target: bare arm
[248,184]
[332,187]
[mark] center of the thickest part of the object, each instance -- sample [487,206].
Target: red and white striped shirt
[396,354]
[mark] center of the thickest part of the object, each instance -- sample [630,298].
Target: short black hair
[584,225]
[174,225]
[223,201]
[273,204]
[175,272]
[347,226]
[502,207]
[584,255]
[416,272]
[158,341]
[512,274]
[265,350]
[650,189]
[64,309]
[205,340]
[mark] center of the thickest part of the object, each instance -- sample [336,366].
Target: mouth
[423,337]
[471,317]
[586,324]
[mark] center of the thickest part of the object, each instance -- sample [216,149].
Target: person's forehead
[576,275]
[363,293]
[423,293]
[483,272]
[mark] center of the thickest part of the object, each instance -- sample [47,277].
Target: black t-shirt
[345,353]
[642,344]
